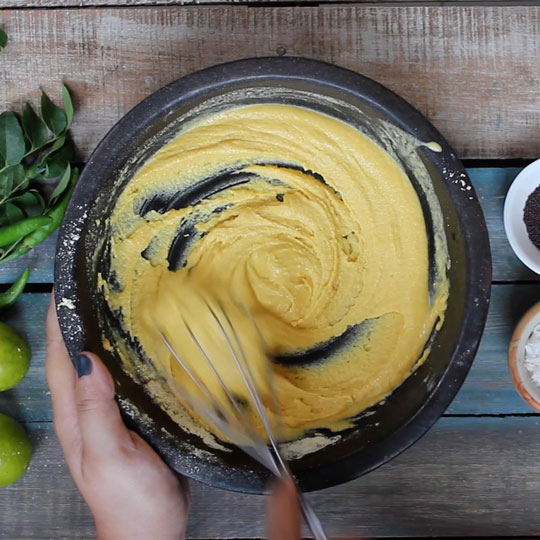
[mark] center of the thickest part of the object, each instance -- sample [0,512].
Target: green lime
[15,450]
[14,357]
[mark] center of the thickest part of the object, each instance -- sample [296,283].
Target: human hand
[131,492]
[284,515]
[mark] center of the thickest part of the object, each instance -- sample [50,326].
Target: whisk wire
[241,430]
[214,371]
[248,378]
[247,375]
[257,450]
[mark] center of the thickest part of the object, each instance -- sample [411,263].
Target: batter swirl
[312,226]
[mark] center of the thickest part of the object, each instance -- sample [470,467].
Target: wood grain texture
[29,400]
[40,260]
[491,187]
[487,390]
[133,3]
[472,70]
[466,477]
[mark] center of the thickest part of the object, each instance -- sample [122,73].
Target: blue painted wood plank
[40,260]
[30,400]
[491,185]
[487,390]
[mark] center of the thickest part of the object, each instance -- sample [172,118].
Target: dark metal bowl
[390,427]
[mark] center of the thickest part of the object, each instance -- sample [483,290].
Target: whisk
[233,421]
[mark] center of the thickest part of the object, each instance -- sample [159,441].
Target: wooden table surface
[473,70]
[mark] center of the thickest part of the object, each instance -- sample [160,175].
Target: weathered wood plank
[466,477]
[133,3]
[487,390]
[30,400]
[491,185]
[40,260]
[472,71]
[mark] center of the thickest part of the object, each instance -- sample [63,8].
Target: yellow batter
[319,233]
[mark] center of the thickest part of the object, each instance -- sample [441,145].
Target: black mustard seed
[531,217]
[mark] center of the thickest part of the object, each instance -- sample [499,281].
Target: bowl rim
[514,228]
[471,219]
[517,342]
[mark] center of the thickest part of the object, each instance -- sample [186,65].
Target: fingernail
[83,365]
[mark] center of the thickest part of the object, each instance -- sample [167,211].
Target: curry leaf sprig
[34,152]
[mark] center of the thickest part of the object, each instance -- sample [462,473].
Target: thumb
[103,432]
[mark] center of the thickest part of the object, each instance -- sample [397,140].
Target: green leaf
[14,213]
[29,198]
[32,171]
[3,39]
[30,202]
[6,183]
[10,179]
[58,143]
[54,117]
[5,251]
[61,186]
[39,199]
[20,179]
[23,184]
[35,128]
[54,168]
[56,163]
[68,106]
[12,145]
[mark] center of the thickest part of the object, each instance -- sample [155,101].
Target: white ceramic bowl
[523,382]
[524,184]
